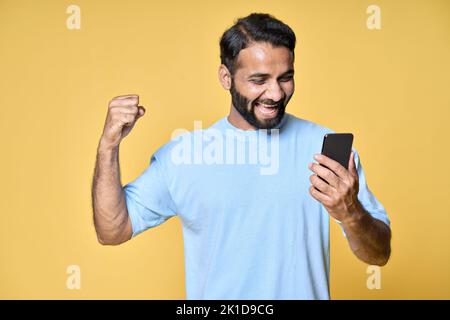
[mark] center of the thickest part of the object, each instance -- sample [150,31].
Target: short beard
[240,103]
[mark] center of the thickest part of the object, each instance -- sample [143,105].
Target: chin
[269,123]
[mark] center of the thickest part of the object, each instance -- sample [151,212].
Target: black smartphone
[338,147]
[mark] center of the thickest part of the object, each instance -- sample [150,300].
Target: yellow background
[390,87]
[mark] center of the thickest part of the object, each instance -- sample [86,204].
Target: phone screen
[338,147]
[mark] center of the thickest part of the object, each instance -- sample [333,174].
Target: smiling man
[261,65]
[246,235]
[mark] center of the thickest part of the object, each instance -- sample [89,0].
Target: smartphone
[338,147]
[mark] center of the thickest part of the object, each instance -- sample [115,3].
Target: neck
[236,119]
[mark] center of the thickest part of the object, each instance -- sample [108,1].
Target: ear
[225,77]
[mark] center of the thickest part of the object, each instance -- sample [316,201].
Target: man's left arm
[368,237]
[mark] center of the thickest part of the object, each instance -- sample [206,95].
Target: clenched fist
[123,112]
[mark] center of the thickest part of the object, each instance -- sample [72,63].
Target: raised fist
[123,112]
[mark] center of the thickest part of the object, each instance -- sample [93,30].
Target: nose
[274,92]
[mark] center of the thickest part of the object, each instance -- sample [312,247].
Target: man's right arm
[111,219]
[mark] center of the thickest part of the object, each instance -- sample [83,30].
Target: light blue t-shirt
[251,229]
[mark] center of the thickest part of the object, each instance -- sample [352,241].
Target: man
[248,234]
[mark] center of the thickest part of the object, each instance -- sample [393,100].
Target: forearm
[108,199]
[369,238]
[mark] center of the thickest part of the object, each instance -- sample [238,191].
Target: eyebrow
[266,75]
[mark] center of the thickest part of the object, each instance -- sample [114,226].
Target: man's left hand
[340,195]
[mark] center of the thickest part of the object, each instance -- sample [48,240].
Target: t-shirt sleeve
[148,199]
[366,197]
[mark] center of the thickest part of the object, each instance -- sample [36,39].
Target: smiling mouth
[265,110]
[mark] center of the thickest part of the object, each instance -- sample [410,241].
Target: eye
[286,79]
[257,81]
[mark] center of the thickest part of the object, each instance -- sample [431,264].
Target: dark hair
[256,27]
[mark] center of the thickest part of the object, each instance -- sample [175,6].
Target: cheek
[252,92]
[289,88]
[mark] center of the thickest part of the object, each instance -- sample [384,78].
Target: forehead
[263,57]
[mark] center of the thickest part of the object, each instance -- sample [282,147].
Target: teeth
[266,110]
[266,105]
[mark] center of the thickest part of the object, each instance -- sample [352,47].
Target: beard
[241,104]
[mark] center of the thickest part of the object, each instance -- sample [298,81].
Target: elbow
[101,241]
[108,242]
[385,254]
[384,258]
[382,263]
[377,258]
[113,234]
